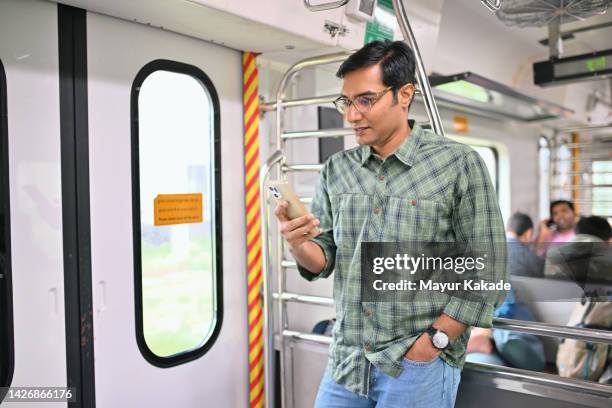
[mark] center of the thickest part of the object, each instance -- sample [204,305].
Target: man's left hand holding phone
[299,230]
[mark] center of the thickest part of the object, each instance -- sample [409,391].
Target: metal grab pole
[268,302]
[280,96]
[430,103]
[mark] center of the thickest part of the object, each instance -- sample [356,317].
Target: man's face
[385,117]
[563,216]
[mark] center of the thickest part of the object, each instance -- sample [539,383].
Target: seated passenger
[522,261]
[559,227]
[587,257]
[505,347]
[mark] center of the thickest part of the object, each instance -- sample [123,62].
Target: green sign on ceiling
[384,23]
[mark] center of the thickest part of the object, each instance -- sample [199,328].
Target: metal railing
[521,326]
[545,379]
[537,328]
[551,380]
[268,313]
[315,100]
[280,169]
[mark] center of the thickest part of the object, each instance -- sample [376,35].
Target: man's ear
[405,95]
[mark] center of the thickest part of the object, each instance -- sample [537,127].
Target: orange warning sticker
[460,124]
[172,209]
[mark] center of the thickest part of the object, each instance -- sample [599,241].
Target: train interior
[118,116]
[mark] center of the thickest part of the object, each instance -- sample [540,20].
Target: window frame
[595,203]
[544,184]
[496,158]
[503,166]
[198,74]
[6,307]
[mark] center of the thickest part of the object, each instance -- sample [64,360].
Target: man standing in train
[401,183]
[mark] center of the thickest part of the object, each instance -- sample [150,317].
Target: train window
[6,301]
[177,213]
[544,165]
[602,192]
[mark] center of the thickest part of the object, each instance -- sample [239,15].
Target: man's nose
[352,114]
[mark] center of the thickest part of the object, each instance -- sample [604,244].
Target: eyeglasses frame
[376,97]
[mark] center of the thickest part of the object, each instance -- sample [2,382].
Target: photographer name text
[469,284]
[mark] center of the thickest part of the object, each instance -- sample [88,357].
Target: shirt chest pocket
[350,216]
[413,219]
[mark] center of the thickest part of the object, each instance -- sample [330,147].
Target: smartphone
[281,190]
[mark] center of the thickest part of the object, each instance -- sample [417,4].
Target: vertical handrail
[430,103]
[280,144]
[276,158]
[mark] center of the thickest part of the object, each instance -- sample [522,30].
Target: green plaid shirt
[431,189]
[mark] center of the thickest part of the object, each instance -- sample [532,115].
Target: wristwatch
[439,339]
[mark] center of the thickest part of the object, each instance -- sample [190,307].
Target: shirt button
[367,312]
[368,348]
[413,202]
[381,177]
[376,210]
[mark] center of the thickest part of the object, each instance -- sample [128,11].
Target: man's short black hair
[396,60]
[596,226]
[519,223]
[558,202]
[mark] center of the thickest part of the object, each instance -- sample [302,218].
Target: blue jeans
[420,385]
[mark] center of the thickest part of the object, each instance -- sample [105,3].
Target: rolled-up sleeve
[321,209]
[477,221]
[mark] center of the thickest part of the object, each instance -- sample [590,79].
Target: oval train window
[176,212]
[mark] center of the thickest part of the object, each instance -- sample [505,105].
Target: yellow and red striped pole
[253,230]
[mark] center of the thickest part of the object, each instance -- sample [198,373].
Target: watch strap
[431,331]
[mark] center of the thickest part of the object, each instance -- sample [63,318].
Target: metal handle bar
[277,158]
[324,6]
[493,6]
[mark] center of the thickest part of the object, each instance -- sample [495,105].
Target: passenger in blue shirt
[522,261]
[505,347]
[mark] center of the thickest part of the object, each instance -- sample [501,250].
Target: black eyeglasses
[363,104]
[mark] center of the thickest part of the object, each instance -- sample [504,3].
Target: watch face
[440,340]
